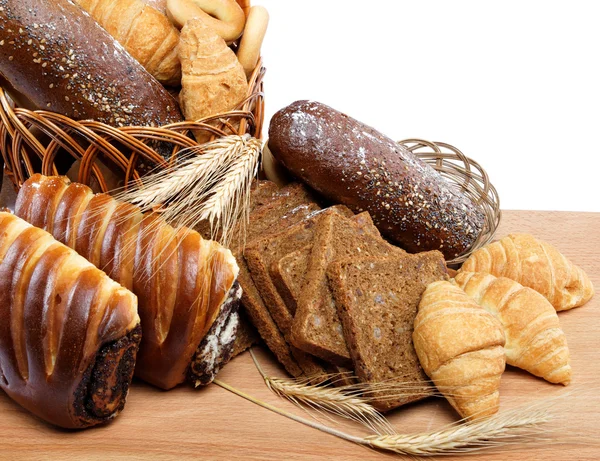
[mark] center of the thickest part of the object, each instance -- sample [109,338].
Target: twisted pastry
[146,33]
[460,347]
[534,340]
[69,334]
[534,264]
[186,286]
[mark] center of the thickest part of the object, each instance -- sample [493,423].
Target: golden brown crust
[534,264]
[461,348]
[181,279]
[60,312]
[534,340]
[146,33]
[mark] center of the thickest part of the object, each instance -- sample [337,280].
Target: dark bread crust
[61,60]
[351,163]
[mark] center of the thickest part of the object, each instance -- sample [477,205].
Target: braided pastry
[69,334]
[187,289]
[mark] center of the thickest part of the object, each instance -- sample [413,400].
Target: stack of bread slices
[328,294]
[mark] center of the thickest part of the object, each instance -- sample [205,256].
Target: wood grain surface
[212,423]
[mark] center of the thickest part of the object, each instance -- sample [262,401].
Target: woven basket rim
[89,141]
[469,178]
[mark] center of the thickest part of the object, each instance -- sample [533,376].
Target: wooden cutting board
[212,423]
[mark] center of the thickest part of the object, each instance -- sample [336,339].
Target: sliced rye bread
[247,335]
[316,328]
[287,207]
[261,253]
[377,301]
[288,272]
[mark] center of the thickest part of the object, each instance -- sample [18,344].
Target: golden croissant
[186,286]
[461,348]
[534,264]
[534,340]
[146,33]
[69,335]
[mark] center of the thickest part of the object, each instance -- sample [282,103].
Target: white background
[513,84]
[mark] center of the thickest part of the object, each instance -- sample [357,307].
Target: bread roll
[69,335]
[350,163]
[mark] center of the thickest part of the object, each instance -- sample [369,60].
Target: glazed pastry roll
[69,334]
[187,286]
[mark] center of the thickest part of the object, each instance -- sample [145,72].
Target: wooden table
[212,423]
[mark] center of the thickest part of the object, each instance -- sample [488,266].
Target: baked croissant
[534,340]
[69,335]
[534,264]
[146,33]
[460,347]
[187,288]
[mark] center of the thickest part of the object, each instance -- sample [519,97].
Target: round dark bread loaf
[57,58]
[353,164]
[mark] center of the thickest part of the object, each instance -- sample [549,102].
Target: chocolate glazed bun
[353,164]
[186,285]
[69,335]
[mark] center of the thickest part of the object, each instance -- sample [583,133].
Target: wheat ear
[329,399]
[511,428]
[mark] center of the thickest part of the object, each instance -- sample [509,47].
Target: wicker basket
[40,141]
[469,178]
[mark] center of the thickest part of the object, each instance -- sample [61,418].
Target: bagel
[225,17]
[251,42]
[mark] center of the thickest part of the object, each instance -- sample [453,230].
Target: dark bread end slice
[316,328]
[377,301]
[262,320]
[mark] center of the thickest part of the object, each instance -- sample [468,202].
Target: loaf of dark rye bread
[316,328]
[377,300]
[57,58]
[351,163]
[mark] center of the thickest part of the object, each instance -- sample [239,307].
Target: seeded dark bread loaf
[316,328]
[377,300]
[57,58]
[351,163]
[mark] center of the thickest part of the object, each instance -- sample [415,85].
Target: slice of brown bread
[261,253]
[377,300]
[316,328]
[288,275]
[287,207]
[289,272]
